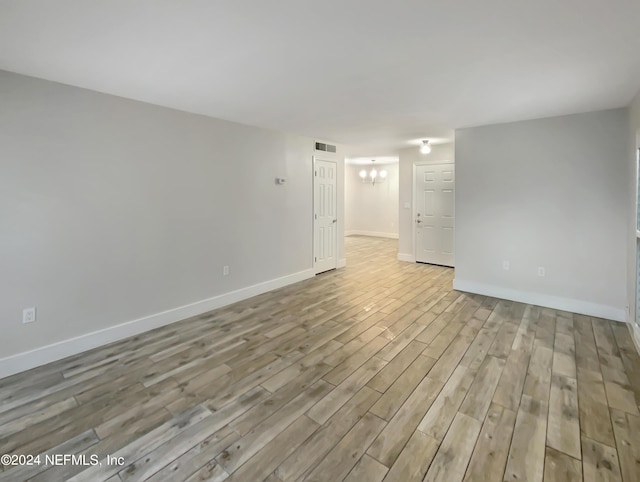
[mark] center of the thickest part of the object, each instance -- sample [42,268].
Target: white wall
[548,192]
[113,210]
[440,153]
[371,209]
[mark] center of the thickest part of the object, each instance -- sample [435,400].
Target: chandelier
[373,175]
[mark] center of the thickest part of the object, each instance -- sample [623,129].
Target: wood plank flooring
[379,371]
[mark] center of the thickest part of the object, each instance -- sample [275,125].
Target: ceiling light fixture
[372,176]
[425,148]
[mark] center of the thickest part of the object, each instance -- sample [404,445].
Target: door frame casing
[633,304]
[327,157]
[414,202]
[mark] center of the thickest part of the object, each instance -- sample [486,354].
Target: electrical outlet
[540,271]
[225,271]
[28,315]
[505,265]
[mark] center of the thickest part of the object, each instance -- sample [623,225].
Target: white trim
[56,351]
[357,232]
[633,301]
[549,301]
[342,262]
[408,257]
[333,160]
[414,203]
[435,161]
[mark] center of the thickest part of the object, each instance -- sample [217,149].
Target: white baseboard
[57,351]
[539,299]
[409,258]
[371,233]
[342,262]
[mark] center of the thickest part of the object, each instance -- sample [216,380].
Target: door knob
[335,220]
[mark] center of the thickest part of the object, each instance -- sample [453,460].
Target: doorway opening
[371,197]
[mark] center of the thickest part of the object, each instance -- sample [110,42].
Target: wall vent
[320,146]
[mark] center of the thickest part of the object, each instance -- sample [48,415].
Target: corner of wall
[406,257]
[540,299]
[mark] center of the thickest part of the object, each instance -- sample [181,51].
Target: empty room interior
[319,241]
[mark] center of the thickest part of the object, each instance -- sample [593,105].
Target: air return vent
[325,147]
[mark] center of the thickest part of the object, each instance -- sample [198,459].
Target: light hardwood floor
[378,371]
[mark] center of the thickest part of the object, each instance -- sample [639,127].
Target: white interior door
[434,215]
[325,215]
